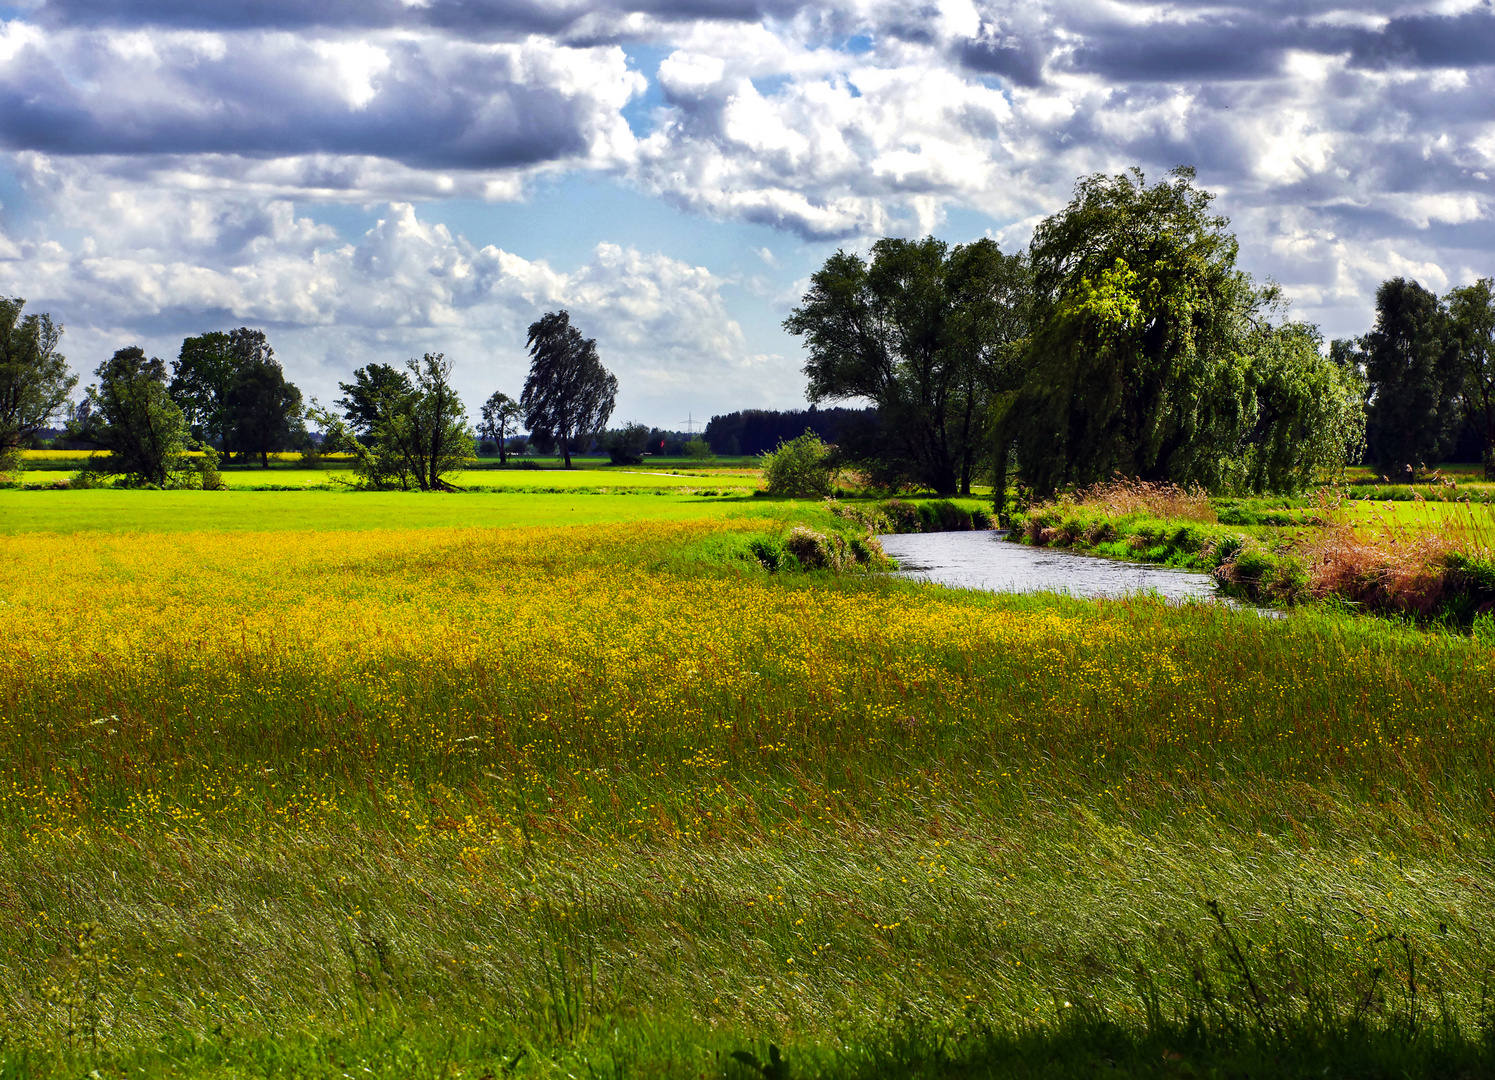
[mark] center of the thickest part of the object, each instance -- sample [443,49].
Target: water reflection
[987,560]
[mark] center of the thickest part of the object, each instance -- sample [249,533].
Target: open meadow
[368,784]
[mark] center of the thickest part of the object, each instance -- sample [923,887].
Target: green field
[356,784]
[267,511]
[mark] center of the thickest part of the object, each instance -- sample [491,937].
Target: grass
[612,800]
[163,512]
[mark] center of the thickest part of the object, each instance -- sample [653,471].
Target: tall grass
[448,802]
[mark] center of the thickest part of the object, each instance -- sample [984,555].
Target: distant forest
[757,431]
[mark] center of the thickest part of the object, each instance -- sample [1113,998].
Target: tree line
[1428,366]
[1124,340]
[226,394]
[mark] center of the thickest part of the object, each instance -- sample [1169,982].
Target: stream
[988,560]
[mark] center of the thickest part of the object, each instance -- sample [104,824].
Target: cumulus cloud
[1346,142]
[404,287]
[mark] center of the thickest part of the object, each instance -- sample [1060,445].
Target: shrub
[87,478]
[766,552]
[813,550]
[625,445]
[800,468]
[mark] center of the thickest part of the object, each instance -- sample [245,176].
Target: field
[288,472]
[350,784]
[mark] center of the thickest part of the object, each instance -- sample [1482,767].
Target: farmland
[374,788]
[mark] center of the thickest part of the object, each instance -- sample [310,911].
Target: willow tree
[1152,354]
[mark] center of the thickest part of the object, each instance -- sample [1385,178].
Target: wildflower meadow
[614,799]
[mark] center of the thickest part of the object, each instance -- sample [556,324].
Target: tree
[927,334]
[568,392]
[626,445]
[801,467]
[1471,311]
[501,417]
[34,378]
[205,384]
[263,409]
[131,414]
[369,394]
[1414,377]
[201,376]
[1309,411]
[409,430]
[1137,362]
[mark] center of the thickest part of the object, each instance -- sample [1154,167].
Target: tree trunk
[999,484]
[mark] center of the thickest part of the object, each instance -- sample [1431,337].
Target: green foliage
[412,426]
[201,376]
[1414,378]
[927,333]
[1309,413]
[501,417]
[698,449]
[130,414]
[370,397]
[264,410]
[34,378]
[568,392]
[626,445]
[1152,356]
[1471,311]
[232,390]
[800,468]
[1137,364]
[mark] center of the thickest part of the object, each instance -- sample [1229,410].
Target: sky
[370,180]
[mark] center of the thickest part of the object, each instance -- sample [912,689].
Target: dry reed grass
[1393,564]
[1121,497]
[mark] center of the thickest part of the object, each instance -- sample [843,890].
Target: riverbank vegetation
[459,801]
[1430,562]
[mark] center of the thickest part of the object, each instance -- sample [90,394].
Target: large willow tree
[1152,355]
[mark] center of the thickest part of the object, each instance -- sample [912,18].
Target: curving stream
[987,560]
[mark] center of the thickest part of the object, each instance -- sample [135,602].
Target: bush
[813,550]
[801,468]
[766,552]
[88,478]
[625,445]
[487,447]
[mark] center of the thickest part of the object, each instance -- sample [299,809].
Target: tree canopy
[264,409]
[568,392]
[34,378]
[130,413]
[408,428]
[924,332]
[1153,356]
[1471,312]
[501,416]
[232,390]
[1412,368]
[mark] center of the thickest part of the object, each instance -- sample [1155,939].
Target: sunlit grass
[533,788]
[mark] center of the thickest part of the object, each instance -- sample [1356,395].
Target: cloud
[419,102]
[1343,140]
[404,287]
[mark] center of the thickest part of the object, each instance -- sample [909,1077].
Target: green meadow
[380,784]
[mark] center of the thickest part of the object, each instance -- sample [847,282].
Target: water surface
[988,560]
